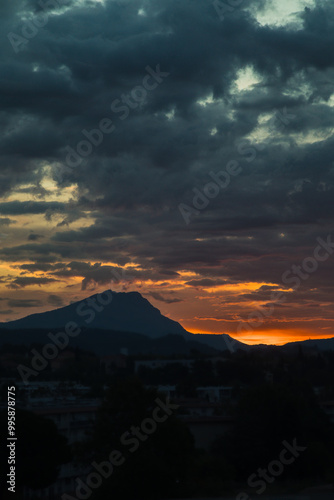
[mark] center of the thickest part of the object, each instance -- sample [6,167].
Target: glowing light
[170,115]
[246,78]
[207,100]
[283,13]
[238,287]
[277,337]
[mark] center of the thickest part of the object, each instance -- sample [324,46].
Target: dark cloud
[55,300]
[122,200]
[30,207]
[23,303]
[161,298]
[39,266]
[35,237]
[205,282]
[5,221]
[25,281]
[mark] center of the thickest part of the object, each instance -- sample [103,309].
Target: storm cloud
[216,172]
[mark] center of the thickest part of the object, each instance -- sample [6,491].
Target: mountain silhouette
[114,313]
[118,316]
[128,312]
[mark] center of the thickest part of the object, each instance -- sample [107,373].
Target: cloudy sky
[213,174]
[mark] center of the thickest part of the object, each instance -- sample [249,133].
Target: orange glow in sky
[217,309]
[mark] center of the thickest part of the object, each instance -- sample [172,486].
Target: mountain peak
[108,310]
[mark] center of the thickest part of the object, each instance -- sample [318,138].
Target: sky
[180,149]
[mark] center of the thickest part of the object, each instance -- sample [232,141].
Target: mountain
[127,312]
[220,342]
[108,316]
[110,319]
[312,344]
[107,342]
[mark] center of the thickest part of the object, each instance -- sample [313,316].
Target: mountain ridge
[108,311]
[113,313]
[131,312]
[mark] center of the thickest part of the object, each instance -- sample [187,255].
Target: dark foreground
[314,494]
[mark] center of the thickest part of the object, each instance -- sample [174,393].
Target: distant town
[210,393]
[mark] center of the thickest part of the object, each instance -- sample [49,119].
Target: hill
[128,312]
[115,319]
